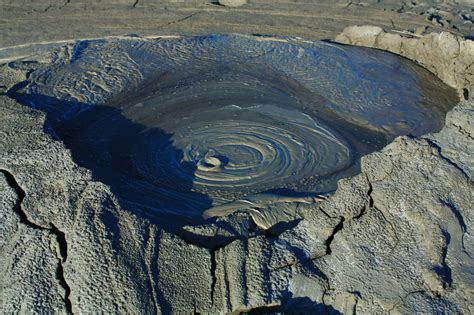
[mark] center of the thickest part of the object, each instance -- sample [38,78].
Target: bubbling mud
[179,126]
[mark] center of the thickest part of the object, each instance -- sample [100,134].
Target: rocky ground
[396,238]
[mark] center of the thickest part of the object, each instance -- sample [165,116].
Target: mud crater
[177,126]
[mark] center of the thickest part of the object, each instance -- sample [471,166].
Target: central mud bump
[179,126]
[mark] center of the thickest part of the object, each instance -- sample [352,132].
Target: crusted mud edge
[395,238]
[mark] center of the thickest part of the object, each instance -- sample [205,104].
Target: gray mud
[178,126]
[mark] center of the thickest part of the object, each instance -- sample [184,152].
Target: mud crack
[60,236]
[444,271]
[403,298]
[213,273]
[329,240]
[178,20]
[337,229]
[461,221]
[451,162]
[371,205]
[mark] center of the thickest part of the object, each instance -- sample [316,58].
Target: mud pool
[178,126]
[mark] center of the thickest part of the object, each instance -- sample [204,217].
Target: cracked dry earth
[396,238]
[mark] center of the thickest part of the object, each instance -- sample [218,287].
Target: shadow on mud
[296,306]
[102,140]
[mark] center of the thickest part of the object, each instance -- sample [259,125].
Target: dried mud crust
[395,238]
[49,20]
[448,56]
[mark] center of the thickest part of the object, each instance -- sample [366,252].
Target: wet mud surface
[177,126]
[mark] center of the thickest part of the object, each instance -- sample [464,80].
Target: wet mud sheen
[204,121]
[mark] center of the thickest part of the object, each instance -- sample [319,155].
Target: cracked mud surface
[9,180]
[397,238]
[50,20]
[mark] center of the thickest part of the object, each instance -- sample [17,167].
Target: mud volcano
[177,126]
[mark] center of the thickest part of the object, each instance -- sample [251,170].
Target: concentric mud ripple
[260,148]
[178,126]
